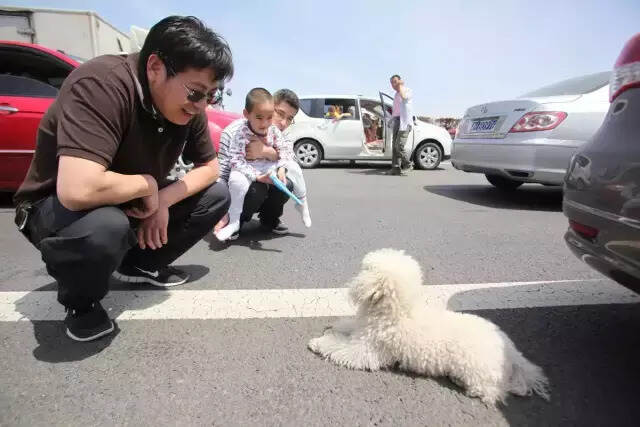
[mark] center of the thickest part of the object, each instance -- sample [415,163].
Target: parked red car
[30,77]
[218,120]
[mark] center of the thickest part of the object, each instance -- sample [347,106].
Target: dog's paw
[326,344]
[314,345]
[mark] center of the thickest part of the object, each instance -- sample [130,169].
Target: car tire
[428,156]
[503,183]
[308,153]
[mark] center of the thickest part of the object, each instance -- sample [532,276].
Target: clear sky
[452,53]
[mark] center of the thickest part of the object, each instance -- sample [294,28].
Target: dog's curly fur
[394,326]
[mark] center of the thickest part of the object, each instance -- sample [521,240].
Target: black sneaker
[165,277]
[280,228]
[89,324]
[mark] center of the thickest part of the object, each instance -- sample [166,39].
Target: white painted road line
[282,303]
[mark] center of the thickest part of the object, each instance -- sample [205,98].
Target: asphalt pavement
[229,348]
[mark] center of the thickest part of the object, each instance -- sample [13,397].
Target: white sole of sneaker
[136,279]
[91,338]
[274,231]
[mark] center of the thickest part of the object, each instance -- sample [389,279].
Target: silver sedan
[531,138]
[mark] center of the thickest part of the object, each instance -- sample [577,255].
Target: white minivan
[342,127]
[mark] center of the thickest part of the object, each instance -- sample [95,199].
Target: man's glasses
[193,95]
[196,96]
[283,115]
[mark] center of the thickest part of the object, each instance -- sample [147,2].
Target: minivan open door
[387,103]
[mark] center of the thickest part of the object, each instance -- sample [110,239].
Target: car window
[576,86]
[374,107]
[11,85]
[345,108]
[313,107]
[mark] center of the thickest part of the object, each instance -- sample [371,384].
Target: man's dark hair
[394,76]
[186,42]
[257,95]
[288,96]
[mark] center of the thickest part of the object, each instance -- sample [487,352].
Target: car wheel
[180,169]
[503,183]
[428,156]
[308,153]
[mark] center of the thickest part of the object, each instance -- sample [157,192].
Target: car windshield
[576,86]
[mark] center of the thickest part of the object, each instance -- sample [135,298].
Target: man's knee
[255,197]
[101,237]
[258,191]
[214,202]
[112,234]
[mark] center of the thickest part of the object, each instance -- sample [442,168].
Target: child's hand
[282,175]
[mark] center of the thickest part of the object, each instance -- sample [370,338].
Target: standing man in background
[402,119]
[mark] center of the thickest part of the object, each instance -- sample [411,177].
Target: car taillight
[583,230]
[626,71]
[539,120]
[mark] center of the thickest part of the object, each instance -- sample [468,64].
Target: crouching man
[95,201]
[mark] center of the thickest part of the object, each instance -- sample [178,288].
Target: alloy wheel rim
[429,156]
[307,153]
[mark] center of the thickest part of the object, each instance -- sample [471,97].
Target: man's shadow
[53,344]
[251,236]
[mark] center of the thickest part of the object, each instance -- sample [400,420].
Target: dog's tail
[526,377]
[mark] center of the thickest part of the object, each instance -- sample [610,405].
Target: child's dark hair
[186,42]
[257,95]
[288,96]
[395,76]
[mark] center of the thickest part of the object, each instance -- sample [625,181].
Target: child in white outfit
[259,113]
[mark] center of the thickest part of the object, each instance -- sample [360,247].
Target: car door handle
[8,109]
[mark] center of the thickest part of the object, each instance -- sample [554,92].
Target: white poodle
[394,326]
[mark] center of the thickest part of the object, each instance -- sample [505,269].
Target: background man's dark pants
[400,157]
[267,200]
[82,249]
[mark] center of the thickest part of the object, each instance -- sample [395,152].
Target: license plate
[483,125]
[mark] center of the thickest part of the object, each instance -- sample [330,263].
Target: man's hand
[152,231]
[264,179]
[282,175]
[148,206]
[256,149]
[402,90]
